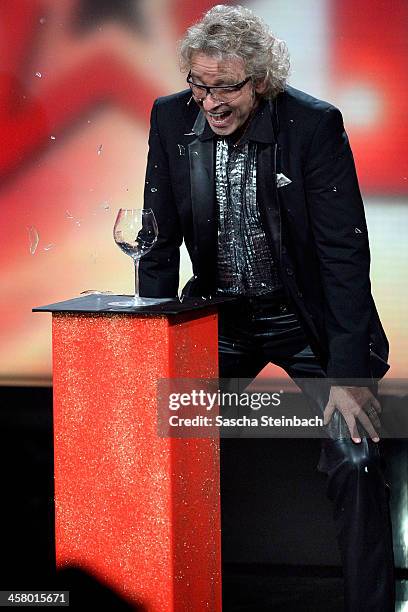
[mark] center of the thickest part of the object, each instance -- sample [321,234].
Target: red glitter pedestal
[138,512]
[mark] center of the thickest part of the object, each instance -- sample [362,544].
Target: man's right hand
[355,403]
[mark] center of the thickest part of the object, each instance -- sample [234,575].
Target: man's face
[224,118]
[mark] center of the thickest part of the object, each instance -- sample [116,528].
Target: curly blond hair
[227,32]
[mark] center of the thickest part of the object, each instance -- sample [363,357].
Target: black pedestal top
[100,303]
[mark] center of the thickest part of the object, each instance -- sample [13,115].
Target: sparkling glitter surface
[196,491]
[139,512]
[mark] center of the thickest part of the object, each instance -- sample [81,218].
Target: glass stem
[136,277]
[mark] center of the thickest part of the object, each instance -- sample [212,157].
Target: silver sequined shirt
[244,262]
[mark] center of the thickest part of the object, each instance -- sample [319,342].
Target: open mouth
[219,118]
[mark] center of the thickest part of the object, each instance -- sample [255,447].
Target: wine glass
[135,232]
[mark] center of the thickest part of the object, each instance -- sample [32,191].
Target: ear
[261,86]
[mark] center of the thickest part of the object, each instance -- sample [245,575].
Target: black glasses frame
[209,89]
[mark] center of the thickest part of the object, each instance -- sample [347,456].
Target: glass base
[138,301]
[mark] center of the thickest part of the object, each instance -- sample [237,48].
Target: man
[259,180]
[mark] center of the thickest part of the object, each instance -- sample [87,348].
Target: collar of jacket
[260,129]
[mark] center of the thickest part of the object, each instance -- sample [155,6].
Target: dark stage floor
[27,520]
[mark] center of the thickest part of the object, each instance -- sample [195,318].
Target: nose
[209,103]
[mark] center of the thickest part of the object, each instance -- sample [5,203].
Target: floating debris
[34,238]
[69,215]
[102,206]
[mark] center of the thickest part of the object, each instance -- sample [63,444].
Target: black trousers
[257,331]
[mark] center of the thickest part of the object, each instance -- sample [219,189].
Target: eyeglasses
[222,93]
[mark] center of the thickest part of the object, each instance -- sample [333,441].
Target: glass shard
[34,238]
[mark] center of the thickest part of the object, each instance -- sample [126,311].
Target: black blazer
[316,224]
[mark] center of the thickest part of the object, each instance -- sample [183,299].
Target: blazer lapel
[267,195]
[202,182]
[267,167]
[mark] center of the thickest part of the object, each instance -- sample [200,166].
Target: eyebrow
[221,79]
